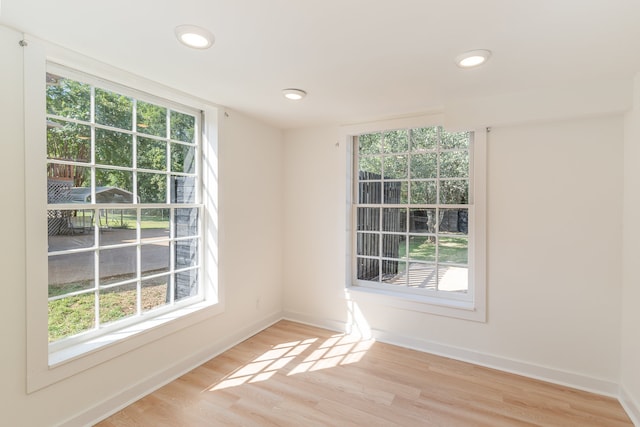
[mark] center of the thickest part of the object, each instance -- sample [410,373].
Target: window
[415,233]
[123,207]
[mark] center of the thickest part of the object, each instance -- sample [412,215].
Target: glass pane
[424,165]
[118,303]
[68,98]
[71,315]
[117,226]
[186,284]
[186,222]
[186,253]
[368,269]
[396,192]
[68,141]
[154,224]
[113,148]
[422,221]
[396,141]
[395,167]
[422,248]
[454,139]
[151,119]
[369,193]
[368,219]
[113,186]
[453,278]
[113,109]
[453,249]
[370,143]
[68,184]
[368,244]
[424,138]
[423,192]
[394,246]
[154,258]
[183,158]
[370,167]
[152,187]
[394,219]
[453,221]
[69,229]
[394,272]
[423,275]
[155,292]
[70,273]
[454,164]
[183,189]
[152,154]
[117,265]
[454,192]
[182,127]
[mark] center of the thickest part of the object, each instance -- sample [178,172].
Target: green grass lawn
[451,249]
[129,221]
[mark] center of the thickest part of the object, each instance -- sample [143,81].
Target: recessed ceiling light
[194,36]
[294,94]
[473,58]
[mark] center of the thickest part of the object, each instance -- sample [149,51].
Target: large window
[123,206]
[413,216]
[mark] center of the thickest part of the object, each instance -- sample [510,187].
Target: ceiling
[359,60]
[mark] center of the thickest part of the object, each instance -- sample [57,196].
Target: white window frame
[473,305]
[47,364]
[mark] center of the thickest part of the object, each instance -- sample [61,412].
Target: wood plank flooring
[296,375]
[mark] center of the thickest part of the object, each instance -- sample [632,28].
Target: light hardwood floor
[296,375]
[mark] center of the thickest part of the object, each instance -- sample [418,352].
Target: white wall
[630,375]
[554,251]
[250,156]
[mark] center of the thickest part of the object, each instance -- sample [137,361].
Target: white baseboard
[136,391]
[630,405]
[552,375]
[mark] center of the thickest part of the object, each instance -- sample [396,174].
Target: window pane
[423,192]
[424,138]
[118,302]
[151,119]
[394,272]
[70,273]
[117,265]
[69,229]
[186,253]
[113,186]
[396,192]
[186,284]
[368,244]
[368,269]
[68,141]
[154,224]
[454,139]
[453,249]
[182,127]
[453,278]
[393,246]
[68,98]
[71,315]
[154,258]
[422,221]
[370,167]
[424,165]
[113,109]
[186,221]
[370,192]
[395,167]
[183,158]
[370,143]
[68,184]
[117,226]
[394,219]
[454,192]
[152,187]
[152,154]
[396,141]
[453,221]
[113,148]
[183,189]
[423,275]
[422,248]
[454,164]
[368,219]
[154,292]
